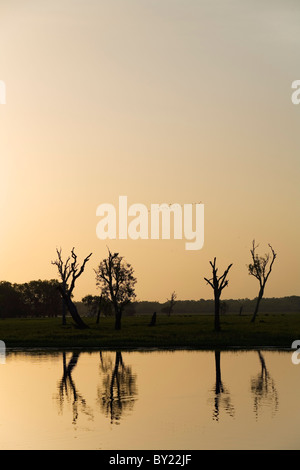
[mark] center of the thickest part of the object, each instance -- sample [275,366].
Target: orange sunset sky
[175,101]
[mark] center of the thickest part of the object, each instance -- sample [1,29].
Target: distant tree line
[31,299]
[228,306]
[42,299]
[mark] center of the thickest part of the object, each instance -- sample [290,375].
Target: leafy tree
[11,301]
[91,302]
[115,278]
[260,268]
[41,297]
[96,305]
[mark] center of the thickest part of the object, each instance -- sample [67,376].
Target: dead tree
[259,268]
[218,284]
[172,301]
[69,272]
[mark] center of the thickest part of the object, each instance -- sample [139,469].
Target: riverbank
[180,331]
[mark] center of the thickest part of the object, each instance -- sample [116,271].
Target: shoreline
[170,333]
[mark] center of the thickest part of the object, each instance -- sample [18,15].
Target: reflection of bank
[263,388]
[119,390]
[222,398]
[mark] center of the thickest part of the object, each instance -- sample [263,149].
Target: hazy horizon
[163,101]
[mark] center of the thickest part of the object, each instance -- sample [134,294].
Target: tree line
[31,299]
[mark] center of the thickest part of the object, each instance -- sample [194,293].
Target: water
[158,400]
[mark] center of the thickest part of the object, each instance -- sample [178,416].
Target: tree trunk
[118,319]
[99,311]
[217,312]
[73,310]
[260,296]
[64,321]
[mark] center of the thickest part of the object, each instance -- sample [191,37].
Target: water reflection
[68,391]
[119,390]
[116,395]
[115,388]
[88,400]
[221,394]
[263,388]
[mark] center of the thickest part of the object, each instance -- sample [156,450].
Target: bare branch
[209,282]
[258,269]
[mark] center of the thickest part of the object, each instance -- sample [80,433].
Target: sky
[162,101]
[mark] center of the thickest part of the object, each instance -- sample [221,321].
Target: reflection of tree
[67,390]
[119,387]
[263,388]
[221,394]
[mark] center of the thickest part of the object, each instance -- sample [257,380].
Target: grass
[180,331]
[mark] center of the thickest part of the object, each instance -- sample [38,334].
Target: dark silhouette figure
[69,272]
[119,388]
[153,320]
[259,269]
[263,388]
[221,395]
[218,284]
[67,389]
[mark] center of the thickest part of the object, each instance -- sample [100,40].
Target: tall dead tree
[218,284]
[172,302]
[261,269]
[69,271]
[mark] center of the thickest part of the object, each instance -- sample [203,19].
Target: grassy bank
[196,332]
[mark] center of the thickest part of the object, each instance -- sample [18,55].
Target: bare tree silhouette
[218,284]
[259,269]
[172,302]
[69,271]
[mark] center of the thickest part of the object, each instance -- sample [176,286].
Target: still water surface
[150,400]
